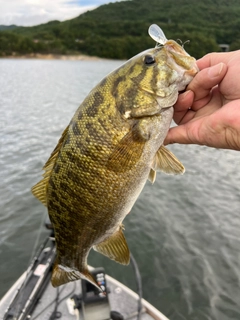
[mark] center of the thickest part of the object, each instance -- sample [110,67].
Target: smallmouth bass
[113,144]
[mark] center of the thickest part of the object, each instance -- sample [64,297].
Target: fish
[111,147]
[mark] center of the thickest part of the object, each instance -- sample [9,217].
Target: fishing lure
[157,34]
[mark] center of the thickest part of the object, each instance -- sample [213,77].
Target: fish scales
[104,157]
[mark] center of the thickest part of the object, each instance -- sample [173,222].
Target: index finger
[204,81]
[211,59]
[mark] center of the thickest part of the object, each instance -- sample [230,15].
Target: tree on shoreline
[119,30]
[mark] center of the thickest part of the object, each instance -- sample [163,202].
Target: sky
[34,12]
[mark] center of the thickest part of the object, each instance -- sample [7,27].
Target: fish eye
[148,60]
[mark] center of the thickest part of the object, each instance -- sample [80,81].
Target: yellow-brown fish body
[112,145]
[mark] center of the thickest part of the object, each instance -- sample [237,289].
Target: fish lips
[189,75]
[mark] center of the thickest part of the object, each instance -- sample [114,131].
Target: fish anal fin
[152,176]
[166,162]
[115,248]
[40,189]
[62,275]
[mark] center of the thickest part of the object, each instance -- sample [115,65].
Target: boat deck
[121,299]
[33,297]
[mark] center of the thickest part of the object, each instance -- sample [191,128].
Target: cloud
[33,12]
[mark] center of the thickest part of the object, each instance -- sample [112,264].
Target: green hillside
[2,27]
[119,30]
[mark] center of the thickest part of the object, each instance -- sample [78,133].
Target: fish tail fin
[61,275]
[87,276]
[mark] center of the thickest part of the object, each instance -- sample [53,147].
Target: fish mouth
[165,109]
[192,72]
[188,76]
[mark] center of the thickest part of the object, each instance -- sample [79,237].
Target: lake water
[183,230]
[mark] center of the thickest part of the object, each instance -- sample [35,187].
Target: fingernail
[215,71]
[183,95]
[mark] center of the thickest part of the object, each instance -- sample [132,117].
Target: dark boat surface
[33,297]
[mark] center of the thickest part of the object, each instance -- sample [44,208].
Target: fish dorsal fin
[166,162]
[61,276]
[152,176]
[40,189]
[115,248]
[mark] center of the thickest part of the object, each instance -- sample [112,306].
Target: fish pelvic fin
[166,162]
[152,176]
[115,248]
[40,189]
[62,275]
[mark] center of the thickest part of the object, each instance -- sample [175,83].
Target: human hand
[208,113]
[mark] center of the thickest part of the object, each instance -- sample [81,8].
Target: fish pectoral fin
[61,276]
[166,162]
[115,248]
[40,189]
[128,151]
[152,176]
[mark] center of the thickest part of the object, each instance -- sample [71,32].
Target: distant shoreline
[52,57]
